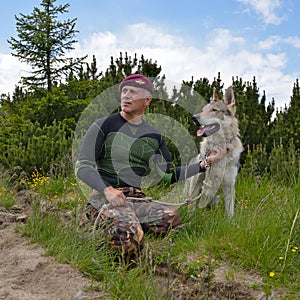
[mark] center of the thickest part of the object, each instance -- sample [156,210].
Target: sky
[191,38]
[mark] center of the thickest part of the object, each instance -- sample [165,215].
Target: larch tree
[42,43]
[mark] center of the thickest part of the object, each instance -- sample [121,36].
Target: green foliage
[57,186]
[205,89]
[36,148]
[282,162]
[253,115]
[7,192]
[287,123]
[7,197]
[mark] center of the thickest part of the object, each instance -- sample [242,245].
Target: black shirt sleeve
[172,173]
[86,165]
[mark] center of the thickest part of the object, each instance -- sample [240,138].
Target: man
[113,159]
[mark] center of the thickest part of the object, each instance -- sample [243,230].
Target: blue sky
[243,38]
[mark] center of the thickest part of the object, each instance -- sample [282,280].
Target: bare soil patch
[25,273]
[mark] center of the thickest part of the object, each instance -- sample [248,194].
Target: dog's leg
[229,189]
[211,186]
[216,200]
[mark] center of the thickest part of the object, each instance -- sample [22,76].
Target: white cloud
[146,36]
[222,40]
[265,9]
[275,40]
[270,42]
[293,41]
[11,71]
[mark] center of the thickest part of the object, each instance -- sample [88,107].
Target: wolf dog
[218,126]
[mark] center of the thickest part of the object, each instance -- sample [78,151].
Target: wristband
[206,164]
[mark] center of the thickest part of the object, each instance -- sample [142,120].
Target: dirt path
[26,274]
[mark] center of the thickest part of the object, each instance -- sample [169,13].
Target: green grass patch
[7,197]
[262,237]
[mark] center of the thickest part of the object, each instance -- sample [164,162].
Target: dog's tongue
[201,132]
[208,130]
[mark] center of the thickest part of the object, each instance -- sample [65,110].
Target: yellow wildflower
[271,274]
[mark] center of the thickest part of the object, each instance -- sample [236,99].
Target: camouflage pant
[124,226]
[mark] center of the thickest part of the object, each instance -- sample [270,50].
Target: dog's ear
[229,100]
[215,95]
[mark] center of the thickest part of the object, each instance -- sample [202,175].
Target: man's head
[136,95]
[139,81]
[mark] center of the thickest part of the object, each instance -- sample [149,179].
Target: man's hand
[217,154]
[114,196]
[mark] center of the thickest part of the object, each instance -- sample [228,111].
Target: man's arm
[90,152]
[174,174]
[86,166]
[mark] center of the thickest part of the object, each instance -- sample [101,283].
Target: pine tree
[287,122]
[42,42]
[205,89]
[253,115]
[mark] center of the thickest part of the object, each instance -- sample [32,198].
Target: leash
[150,199]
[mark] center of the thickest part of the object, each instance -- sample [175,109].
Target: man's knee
[122,228]
[167,219]
[125,236]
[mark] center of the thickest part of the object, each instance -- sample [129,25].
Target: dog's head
[215,113]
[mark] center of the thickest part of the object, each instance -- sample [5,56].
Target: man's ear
[148,100]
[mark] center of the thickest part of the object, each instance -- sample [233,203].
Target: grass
[262,237]
[7,195]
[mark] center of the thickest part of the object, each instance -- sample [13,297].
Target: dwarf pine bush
[35,148]
[282,163]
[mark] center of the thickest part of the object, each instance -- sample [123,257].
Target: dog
[217,125]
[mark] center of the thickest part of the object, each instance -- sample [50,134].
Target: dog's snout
[195,120]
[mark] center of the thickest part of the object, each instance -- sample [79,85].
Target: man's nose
[126,94]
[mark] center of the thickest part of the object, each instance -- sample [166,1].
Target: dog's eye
[214,109]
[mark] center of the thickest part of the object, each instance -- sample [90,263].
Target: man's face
[134,100]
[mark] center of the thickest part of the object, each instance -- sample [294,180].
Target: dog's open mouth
[208,130]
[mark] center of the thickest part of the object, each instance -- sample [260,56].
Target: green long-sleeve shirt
[118,153]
